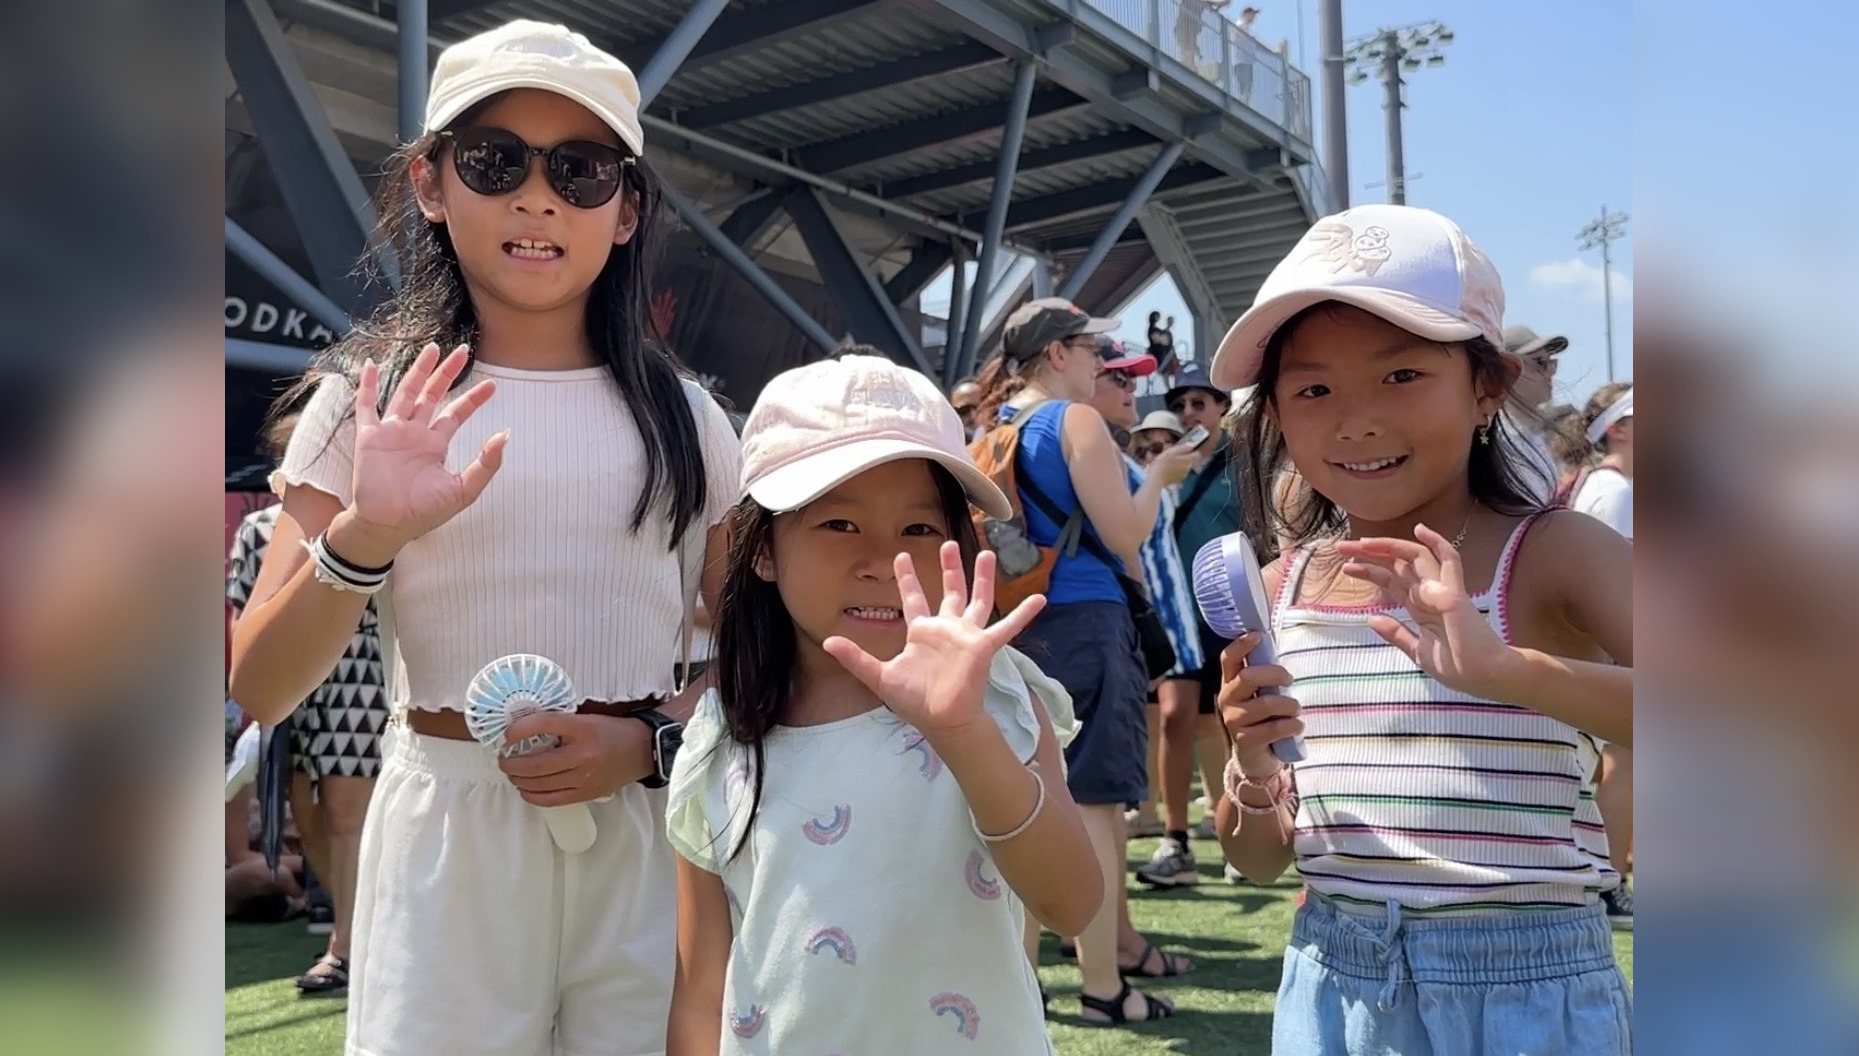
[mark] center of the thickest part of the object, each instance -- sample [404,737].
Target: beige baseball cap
[818,426]
[529,54]
[1412,267]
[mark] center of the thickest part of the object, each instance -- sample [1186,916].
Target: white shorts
[474,935]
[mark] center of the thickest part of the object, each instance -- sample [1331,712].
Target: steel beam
[410,19]
[1171,248]
[870,316]
[757,29]
[1042,158]
[1136,199]
[318,181]
[964,57]
[1069,68]
[676,47]
[958,311]
[925,263]
[1098,195]
[1007,166]
[899,141]
[1075,243]
[272,268]
[751,220]
[733,255]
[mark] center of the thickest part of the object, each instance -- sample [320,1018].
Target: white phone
[1194,437]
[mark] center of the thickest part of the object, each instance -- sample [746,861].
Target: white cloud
[1580,275]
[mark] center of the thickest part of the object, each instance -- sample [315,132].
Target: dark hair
[756,654]
[278,429]
[1501,476]
[431,305]
[1565,435]
[1571,435]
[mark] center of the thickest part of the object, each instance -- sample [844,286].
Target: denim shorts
[1544,984]
[1090,648]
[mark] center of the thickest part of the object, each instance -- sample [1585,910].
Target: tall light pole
[1391,53]
[1335,109]
[1604,231]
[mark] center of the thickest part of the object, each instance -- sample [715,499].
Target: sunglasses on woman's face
[1150,450]
[493,162]
[1120,379]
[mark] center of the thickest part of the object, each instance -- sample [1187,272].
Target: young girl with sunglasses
[562,504]
[1446,644]
[873,799]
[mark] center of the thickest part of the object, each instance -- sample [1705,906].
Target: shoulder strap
[1214,467]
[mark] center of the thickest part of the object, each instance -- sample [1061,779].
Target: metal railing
[1201,38]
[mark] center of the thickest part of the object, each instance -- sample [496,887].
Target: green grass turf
[1235,936]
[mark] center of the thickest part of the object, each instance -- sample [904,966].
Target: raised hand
[937,683]
[1450,640]
[401,487]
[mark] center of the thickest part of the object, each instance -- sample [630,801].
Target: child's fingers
[954,581]
[1396,633]
[1233,657]
[981,599]
[1017,621]
[861,664]
[1450,570]
[463,406]
[1393,588]
[909,589]
[477,476]
[368,396]
[432,394]
[400,401]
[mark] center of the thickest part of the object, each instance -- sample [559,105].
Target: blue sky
[1520,137]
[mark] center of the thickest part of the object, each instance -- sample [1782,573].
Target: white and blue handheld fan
[509,688]
[1230,591]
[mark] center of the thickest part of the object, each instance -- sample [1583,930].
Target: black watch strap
[667,738]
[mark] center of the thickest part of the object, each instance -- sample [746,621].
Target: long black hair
[757,656]
[432,306]
[1502,476]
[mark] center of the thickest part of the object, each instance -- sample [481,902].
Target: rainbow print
[967,1019]
[834,941]
[748,1024]
[828,832]
[929,764]
[984,889]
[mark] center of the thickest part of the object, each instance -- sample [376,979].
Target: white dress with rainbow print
[868,915]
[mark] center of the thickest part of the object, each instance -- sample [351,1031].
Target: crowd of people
[949,653]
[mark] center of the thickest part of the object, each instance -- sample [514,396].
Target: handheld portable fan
[509,688]
[1231,595]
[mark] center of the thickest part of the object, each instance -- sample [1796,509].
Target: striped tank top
[1416,793]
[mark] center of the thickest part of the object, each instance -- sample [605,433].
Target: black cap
[1193,376]
[1038,323]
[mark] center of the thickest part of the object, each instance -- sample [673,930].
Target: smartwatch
[667,738]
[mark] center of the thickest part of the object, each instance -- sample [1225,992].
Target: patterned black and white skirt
[337,732]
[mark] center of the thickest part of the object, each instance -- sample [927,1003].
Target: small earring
[1484,433]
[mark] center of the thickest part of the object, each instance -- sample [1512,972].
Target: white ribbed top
[544,561]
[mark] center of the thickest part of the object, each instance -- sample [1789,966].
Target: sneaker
[322,919]
[1172,866]
[1205,829]
[1234,876]
[1619,903]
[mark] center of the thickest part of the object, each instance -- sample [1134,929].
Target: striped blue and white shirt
[1167,579]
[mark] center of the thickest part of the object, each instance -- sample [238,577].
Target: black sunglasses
[1121,379]
[493,161]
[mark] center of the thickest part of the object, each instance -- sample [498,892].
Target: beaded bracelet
[1277,787]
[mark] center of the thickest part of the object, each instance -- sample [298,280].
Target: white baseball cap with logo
[529,54]
[1412,267]
[815,427]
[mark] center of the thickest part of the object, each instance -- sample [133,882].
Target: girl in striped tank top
[1448,683]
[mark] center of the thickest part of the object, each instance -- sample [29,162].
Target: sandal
[1172,964]
[1112,1008]
[328,974]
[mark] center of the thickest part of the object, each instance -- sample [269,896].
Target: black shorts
[1090,648]
[1209,674]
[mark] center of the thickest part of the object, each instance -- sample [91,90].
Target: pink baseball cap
[815,427]
[1412,267]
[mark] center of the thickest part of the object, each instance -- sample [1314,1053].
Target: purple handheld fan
[1231,594]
